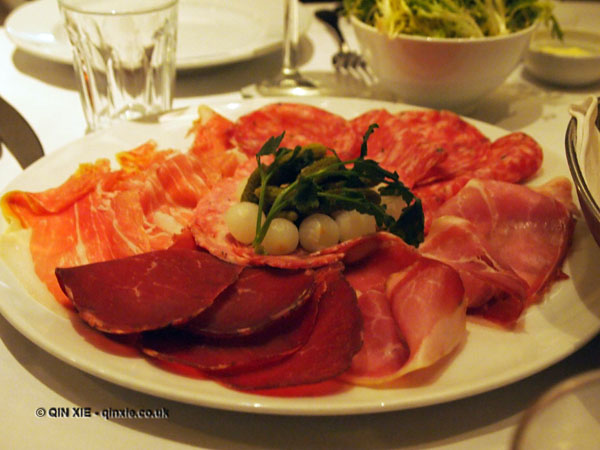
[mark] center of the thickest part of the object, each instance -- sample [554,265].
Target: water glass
[567,417]
[124,55]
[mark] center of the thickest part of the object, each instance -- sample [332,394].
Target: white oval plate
[211,32]
[568,317]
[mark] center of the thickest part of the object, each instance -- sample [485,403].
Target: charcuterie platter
[490,357]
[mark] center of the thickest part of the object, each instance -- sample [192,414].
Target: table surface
[31,378]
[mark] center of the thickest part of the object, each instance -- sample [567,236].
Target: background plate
[568,317]
[211,32]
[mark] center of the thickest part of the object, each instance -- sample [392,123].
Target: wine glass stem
[290,39]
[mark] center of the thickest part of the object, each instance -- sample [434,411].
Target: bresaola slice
[260,297]
[284,337]
[146,291]
[329,350]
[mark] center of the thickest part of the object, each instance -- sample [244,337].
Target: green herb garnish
[310,179]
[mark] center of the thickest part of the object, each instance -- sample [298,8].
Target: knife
[18,136]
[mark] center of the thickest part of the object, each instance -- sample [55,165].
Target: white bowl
[573,62]
[440,72]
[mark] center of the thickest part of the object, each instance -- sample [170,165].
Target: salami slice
[329,351]
[259,297]
[464,145]
[146,291]
[211,233]
[396,147]
[303,124]
[512,158]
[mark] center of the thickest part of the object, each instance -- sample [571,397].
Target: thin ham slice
[427,302]
[384,352]
[146,291]
[413,312]
[525,232]
[100,214]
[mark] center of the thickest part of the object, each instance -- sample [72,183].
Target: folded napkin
[587,147]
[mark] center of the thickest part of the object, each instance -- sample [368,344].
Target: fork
[345,60]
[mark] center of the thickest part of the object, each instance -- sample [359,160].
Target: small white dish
[574,61]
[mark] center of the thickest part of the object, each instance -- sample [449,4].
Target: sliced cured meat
[211,233]
[234,355]
[371,272]
[329,351]
[513,158]
[100,214]
[398,148]
[259,297]
[404,296]
[146,291]
[435,194]
[463,144]
[384,351]
[302,124]
[525,230]
[456,241]
[427,302]
[211,131]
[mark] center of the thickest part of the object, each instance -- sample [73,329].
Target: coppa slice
[259,297]
[146,291]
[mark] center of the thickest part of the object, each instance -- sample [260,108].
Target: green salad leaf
[453,18]
[304,180]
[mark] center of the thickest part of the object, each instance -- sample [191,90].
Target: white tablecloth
[45,93]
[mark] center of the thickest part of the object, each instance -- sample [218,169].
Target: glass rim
[562,388]
[124,7]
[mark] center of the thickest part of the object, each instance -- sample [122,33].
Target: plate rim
[59,53]
[248,402]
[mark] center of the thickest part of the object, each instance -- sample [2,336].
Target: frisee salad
[453,18]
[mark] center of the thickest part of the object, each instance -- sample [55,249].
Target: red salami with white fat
[463,144]
[303,124]
[146,291]
[259,297]
[399,148]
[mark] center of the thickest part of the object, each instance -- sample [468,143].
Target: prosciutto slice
[100,214]
[525,233]
[413,312]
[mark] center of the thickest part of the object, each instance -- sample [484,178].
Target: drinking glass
[290,81]
[123,55]
[566,417]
